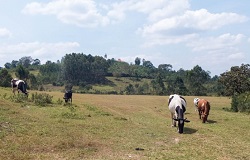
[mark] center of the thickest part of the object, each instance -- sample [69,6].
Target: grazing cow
[177,107]
[18,85]
[203,107]
[68,96]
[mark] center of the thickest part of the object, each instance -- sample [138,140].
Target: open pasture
[119,127]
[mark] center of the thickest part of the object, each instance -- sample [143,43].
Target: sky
[213,34]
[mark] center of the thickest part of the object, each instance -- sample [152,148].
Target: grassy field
[119,127]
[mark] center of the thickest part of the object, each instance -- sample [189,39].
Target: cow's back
[201,104]
[174,100]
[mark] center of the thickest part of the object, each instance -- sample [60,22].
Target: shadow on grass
[189,130]
[211,121]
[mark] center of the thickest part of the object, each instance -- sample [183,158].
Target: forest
[85,71]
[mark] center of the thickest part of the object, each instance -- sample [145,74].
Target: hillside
[114,86]
[118,127]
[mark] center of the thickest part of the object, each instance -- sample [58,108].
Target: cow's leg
[200,113]
[14,91]
[173,121]
[203,117]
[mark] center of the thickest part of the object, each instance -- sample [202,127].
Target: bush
[41,99]
[59,101]
[19,98]
[241,102]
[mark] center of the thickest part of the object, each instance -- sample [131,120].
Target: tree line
[83,70]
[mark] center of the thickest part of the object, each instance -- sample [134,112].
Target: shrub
[59,101]
[19,98]
[234,104]
[41,99]
[41,88]
[241,102]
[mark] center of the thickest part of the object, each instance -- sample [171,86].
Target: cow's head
[196,100]
[181,123]
[26,93]
[180,118]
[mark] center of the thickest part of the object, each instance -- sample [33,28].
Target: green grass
[114,126]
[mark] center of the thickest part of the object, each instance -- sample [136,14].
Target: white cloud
[236,56]
[186,27]
[209,44]
[42,51]
[5,33]
[162,9]
[193,21]
[87,14]
[216,53]
[158,39]
[203,20]
[167,15]
[77,12]
[154,10]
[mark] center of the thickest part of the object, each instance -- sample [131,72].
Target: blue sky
[184,33]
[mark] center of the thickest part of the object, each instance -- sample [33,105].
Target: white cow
[18,85]
[177,106]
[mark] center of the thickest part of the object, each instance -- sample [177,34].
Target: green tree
[165,67]
[5,78]
[148,64]
[33,84]
[145,88]
[78,68]
[7,65]
[36,62]
[170,85]
[119,69]
[197,77]
[180,87]
[139,71]
[130,89]
[14,64]
[158,85]
[237,80]
[21,72]
[99,69]
[25,61]
[137,61]
[49,72]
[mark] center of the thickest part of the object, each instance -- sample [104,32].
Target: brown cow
[203,107]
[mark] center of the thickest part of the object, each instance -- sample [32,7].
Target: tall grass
[120,127]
